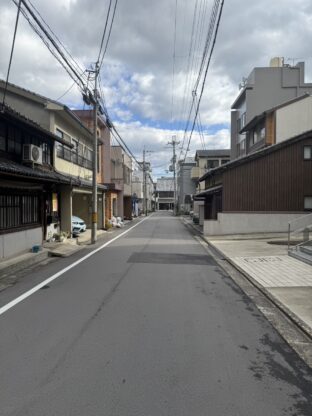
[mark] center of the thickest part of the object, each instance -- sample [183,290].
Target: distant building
[186,187]
[121,176]
[104,175]
[205,160]
[138,188]
[264,88]
[164,193]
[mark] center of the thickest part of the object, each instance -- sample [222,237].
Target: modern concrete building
[263,89]
[280,123]
[186,187]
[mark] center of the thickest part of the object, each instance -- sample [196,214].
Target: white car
[78,225]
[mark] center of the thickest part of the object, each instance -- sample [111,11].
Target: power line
[11,54]
[174,56]
[60,55]
[48,40]
[77,64]
[68,89]
[205,76]
[195,43]
[109,34]
[104,31]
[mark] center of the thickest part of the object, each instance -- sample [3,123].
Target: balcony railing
[299,231]
[63,152]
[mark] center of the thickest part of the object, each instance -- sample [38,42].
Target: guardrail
[301,226]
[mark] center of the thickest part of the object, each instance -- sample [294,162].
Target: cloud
[155,141]
[147,104]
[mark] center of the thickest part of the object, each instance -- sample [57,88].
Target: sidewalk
[283,278]
[16,264]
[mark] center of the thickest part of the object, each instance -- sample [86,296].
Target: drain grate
[171,258]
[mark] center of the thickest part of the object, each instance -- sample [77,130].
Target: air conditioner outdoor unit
[32,153]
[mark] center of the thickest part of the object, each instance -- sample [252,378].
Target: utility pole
[144,184]
[145,196]
[95,150]
[173,143]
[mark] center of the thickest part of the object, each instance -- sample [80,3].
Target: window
[238,125]
[2,137]
[59,133]
[18,210]
[243,120]
[46,153]
[14,140]
[67,153]
[212,164]
[75,155]
[308,202]
[307,152]
[126,175]
[223,161]
[262,133]
[75,151]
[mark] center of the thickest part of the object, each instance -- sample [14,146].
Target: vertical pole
[174,178]
[144,184]
[95,150]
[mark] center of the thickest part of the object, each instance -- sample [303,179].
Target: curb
[281,306]
[23,263]
[286,314]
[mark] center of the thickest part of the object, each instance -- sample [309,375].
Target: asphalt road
[148,326]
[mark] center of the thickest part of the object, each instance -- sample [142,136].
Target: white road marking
[30,292]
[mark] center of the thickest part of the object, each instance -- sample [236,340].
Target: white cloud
[137,72]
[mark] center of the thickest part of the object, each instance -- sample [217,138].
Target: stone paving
[287,279]
[276,271]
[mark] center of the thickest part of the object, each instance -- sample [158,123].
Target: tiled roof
[213,153]
[10,113]
[13,168]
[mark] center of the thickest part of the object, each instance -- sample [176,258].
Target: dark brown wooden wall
[276,182]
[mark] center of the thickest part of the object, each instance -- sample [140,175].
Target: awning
[88,184]
[213,190]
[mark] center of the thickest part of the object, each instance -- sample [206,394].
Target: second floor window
[212,164]
[307,152]
[13,138]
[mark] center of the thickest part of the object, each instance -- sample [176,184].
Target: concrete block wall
[14,243]
[249,223]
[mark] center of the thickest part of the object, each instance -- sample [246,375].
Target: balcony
[196,173]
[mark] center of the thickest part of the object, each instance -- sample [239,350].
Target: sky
[147,92]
